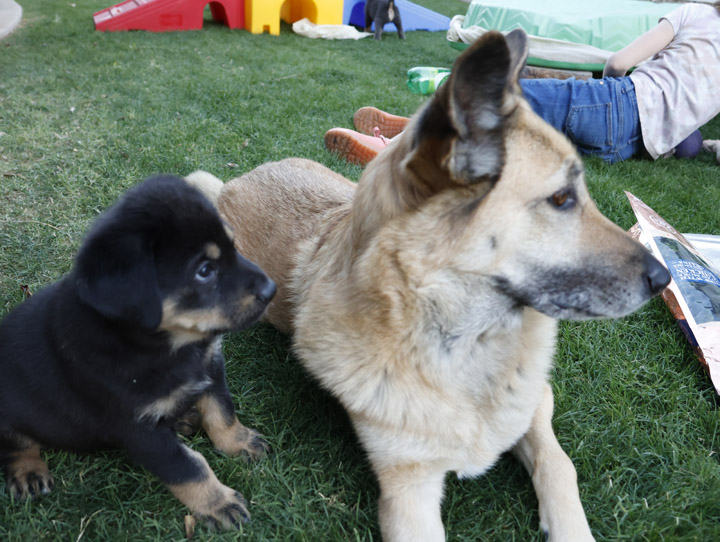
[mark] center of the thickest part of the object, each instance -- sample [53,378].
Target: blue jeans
[600,116]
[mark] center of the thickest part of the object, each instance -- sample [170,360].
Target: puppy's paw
[217,505]
[28,477]
[230,513]
[249,443]
[240,440]
[227,433]
[189,423]
[259,448]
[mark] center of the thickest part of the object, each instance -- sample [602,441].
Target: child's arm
[651,42]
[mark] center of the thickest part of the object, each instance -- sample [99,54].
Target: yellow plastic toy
[265,15]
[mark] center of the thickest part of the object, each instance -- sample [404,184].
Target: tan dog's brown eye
[563,199]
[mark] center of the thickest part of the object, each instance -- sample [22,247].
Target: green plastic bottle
[424,80]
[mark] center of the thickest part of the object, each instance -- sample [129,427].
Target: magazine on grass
[693,295]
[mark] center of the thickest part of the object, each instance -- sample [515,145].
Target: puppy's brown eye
[205,272]
[563,199]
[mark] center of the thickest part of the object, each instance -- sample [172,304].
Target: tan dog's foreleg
[561,513]
[409,505]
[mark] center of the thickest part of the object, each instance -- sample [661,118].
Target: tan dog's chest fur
[425,299]
[407,350]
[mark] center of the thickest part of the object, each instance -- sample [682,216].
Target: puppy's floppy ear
[469,114]
[115,275]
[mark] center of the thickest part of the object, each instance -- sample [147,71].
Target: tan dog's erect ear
[469,113]
[482,96]
[517,42]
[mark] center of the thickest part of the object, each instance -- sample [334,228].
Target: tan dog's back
[274,207]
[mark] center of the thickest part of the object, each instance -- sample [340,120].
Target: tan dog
[426,299]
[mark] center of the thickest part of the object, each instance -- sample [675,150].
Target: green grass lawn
[85,115]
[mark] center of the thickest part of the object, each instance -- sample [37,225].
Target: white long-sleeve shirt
[678,89]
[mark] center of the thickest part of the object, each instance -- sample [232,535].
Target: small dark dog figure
[115,353]
[382,12]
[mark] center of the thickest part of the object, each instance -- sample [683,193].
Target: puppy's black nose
[265,290]
[656,276]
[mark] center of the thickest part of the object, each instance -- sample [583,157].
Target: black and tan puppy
[114,353]
[382,12]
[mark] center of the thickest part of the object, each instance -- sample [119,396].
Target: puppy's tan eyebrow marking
[228,231]
[212,251]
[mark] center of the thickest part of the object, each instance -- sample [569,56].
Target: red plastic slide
[168,15]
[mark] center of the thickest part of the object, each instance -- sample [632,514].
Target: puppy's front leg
[217,412]
[189,477]
[225,430]
[409,505]
[561,513]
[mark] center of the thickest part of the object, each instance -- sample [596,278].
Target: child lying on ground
[653,110]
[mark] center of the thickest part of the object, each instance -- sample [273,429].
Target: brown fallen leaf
[190,523]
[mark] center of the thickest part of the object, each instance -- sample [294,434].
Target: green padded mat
[606,24]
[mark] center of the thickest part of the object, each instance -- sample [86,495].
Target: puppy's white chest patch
[168,405]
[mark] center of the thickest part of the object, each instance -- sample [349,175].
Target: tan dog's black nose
[656,276]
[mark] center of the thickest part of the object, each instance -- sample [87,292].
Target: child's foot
[366,119]
[355,147]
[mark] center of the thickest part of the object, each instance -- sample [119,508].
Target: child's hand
[712,145]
